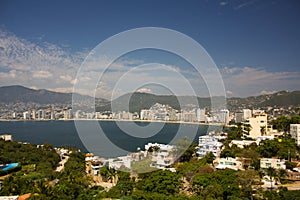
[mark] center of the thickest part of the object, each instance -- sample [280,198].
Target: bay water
[64,133]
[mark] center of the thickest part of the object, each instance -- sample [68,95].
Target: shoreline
[116,120]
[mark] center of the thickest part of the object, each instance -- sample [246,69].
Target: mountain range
[17,93]
[138,101]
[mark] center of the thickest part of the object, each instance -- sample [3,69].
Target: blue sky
[259,38]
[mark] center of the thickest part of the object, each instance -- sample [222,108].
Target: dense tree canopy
[283,123]
[163,182]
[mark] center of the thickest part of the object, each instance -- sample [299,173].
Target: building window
[268,164]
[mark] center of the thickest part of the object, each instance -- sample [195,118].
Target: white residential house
[208,143]
[137,156]
[95,167]
[118,162]
[264,137]
[205,139]
[163,157]
[295,132]
[228,163]
[265,163]
[241,143]
[6,137]
[215,147]
[93,164]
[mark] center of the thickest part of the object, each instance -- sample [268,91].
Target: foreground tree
[123,188]
[221,184]
[185,150]
[247,179]
[235,133]
[282,173]
[163,182]
[283,123]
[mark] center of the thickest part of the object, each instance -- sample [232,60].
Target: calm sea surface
[64,133]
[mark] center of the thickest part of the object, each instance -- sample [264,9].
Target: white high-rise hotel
[224,116]
[200,115]
[295,132]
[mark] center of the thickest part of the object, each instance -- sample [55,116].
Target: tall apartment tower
[224,116]
[295,132]
[200,115]
[258,124]
[247,113]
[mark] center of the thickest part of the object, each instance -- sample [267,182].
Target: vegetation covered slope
[138,101]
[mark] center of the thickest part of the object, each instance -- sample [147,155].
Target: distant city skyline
[255,44]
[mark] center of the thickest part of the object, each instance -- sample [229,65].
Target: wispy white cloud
[66,78]
[44,65]
[246,81]
[42,74]
[223,3]
[52,67]
[268,92]
[244,4]
[144,90]
[228,92]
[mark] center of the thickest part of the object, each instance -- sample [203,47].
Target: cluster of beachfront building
[44,114]
[164,155]
[158,112]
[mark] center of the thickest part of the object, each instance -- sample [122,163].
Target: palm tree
[282,173]
[271,172]
[247,128]
[263,130]
[104,172]
[261,174]
[112,173]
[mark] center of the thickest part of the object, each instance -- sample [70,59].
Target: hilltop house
[162,155]
[228,163]
[208,143]
[265,163]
